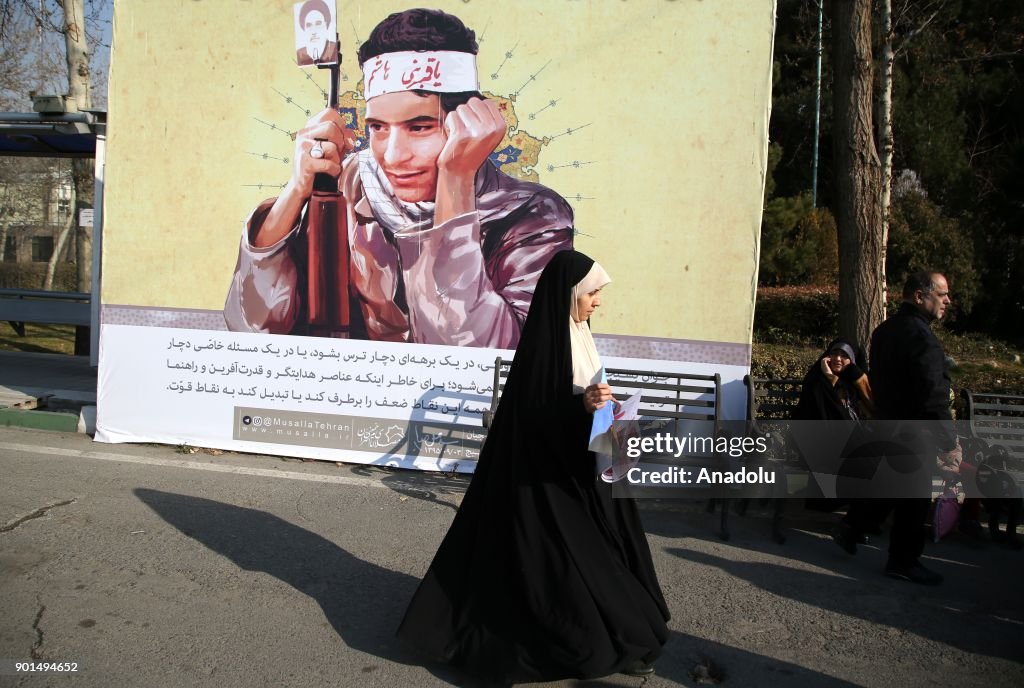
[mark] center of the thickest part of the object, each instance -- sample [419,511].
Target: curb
[61,421]
[39,420]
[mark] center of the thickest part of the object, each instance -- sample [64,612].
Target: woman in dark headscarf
[836,388]
[543,575]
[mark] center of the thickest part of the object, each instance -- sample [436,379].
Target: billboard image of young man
[444,247]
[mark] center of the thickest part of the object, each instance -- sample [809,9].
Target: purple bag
[947,510]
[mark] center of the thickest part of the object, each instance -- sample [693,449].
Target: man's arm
[934,392]
[263,296]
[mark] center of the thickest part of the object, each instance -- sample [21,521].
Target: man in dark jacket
[909,382]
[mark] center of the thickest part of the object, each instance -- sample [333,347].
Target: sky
[43,55]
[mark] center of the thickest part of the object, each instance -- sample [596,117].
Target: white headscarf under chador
[586,364]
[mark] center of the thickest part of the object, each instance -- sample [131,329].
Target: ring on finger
[316,151]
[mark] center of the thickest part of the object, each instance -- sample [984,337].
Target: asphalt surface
[150,567]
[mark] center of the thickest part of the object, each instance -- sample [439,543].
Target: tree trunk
[885,140]
[858,173]
[62,238]
[82,172]
[77,52]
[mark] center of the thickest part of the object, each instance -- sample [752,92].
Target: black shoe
[915,573]
[844,536]
[637,667]
[993,529]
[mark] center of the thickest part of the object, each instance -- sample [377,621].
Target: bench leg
[723,522]
[82,340]
[723,518]
[778,534]
[19,327]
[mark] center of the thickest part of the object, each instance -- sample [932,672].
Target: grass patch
[39,338]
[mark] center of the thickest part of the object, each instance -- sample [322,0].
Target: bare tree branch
[898,49]
[988,56]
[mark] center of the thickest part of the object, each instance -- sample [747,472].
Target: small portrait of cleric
[314,31]
[442,247]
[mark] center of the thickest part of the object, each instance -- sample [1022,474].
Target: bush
[775,361]
[817,229]
[799,244]
[921,238]
[798,241]
[796,315]
[31,276]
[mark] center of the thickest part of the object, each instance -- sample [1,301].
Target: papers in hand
[613,425]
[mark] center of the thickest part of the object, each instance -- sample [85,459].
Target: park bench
[996,423]
[998,419]
[772,398]
[776,399]
[769,399]
[670,396]
[20,306]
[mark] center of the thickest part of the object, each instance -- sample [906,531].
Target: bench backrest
[772,398]
[997,419]
[37,306]
[669,395]
[770,405]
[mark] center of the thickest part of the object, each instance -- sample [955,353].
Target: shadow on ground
[363,602]
[979,608]
[258,541]
[443,489]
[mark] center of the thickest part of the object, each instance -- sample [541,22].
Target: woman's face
[585,305]
[837,360]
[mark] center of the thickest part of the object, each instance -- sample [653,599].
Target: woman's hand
[829,375]
[596,396]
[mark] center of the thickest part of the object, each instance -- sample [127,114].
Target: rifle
[327,240]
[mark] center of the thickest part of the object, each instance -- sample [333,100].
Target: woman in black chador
[835,387]
[543,575]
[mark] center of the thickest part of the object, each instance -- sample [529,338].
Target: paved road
[154,568]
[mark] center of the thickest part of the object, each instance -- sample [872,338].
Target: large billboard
[321,259]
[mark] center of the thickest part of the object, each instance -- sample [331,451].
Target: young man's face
[406,137]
